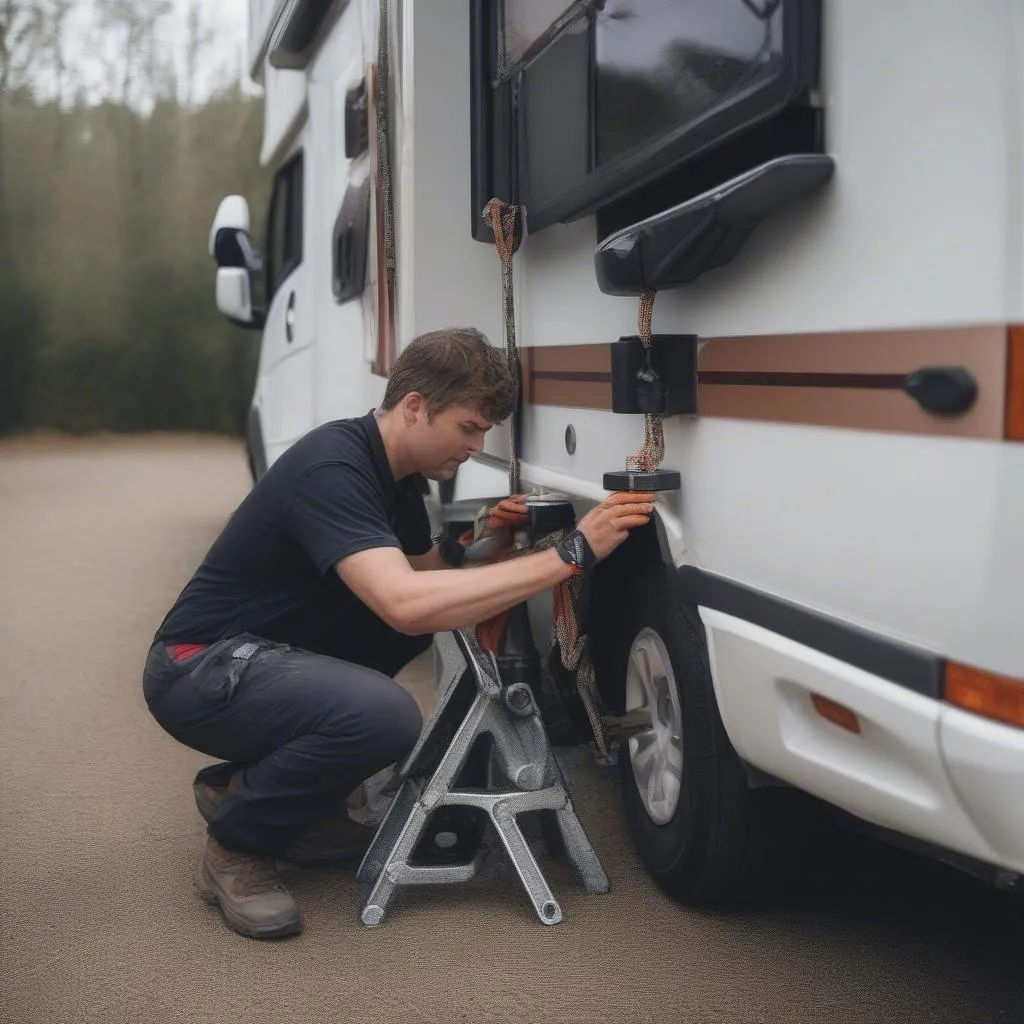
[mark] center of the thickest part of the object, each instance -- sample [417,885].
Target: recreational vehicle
[824,201]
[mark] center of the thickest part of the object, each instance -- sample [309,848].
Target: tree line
[107,318]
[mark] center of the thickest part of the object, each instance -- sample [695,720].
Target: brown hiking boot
[249,893]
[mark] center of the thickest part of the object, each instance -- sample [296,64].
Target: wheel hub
[656,754]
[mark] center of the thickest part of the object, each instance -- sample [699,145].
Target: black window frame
[491,119]
[289,183]
[498,119]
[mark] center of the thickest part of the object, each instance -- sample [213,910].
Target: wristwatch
[575,549]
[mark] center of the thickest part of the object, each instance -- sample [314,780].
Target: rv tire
[720,841]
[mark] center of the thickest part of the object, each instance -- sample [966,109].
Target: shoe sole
[278,931]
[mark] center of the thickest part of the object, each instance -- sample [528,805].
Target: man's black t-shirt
[271,570]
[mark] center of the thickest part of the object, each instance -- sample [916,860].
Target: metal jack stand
[521,775]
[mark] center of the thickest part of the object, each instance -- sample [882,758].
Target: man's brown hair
[454,366]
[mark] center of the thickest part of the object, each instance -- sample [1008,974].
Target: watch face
[575,547]
[571,549]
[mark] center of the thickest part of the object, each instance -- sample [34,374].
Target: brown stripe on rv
[577,376]
[981,350]
[849,379]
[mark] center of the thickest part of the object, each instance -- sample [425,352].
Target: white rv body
[898,524]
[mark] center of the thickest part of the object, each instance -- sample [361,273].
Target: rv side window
[577,105]
[284,226]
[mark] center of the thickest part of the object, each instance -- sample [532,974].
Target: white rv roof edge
[284,14]
[282,148]
[258,56]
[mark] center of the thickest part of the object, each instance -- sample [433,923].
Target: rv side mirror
[234,298]
[236,258]
[230,244]
[232,214]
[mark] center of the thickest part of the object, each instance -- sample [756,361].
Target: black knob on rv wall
[942,390]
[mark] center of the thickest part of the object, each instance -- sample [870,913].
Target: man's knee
[386,721]
[398,723]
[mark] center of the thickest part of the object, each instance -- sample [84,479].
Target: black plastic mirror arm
[256,322]
[678,245]
[252,256]
[232,247]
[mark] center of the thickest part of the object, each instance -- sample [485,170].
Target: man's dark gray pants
[298,731]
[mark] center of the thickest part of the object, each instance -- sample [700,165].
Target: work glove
[492,537]
[493,540]
[511,511]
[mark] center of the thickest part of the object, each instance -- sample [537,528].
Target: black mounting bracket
[547,514]
[642,480]
[661,380]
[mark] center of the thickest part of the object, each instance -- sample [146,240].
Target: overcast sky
[91,56]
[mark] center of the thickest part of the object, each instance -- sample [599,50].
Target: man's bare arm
[429,601]
[428,561]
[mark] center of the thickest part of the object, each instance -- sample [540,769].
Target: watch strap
[575,549]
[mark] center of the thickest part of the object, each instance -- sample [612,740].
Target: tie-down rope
[508,225]
[652,451]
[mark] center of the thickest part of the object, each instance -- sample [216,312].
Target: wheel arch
[646,553]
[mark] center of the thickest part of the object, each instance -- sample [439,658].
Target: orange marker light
[837,713]
[1015,386]
[993,696]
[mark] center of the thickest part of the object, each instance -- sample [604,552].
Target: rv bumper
[985,763]
[905,761]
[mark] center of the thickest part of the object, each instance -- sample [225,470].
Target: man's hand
[509,515]
[504,518]
[509,512]
[608,525]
